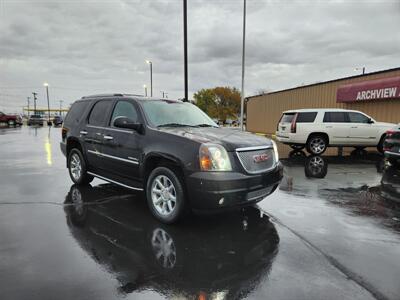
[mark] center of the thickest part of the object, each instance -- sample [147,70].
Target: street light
[61,101]
[151,76]
[243,64]
[46,85]
[358,69]
[145,90]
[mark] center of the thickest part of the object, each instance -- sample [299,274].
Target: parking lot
[331,231]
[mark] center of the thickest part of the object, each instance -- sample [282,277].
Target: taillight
[389,133]
[293,125]
[64,132]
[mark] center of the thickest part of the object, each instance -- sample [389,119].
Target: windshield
[171,113]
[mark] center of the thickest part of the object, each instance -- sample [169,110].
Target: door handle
[83,132]
[98,133]
[108,137]
[328,126]
[354,127]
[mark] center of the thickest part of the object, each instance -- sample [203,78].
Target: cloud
[86,47]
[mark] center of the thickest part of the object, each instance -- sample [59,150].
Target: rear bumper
[289,138]
[392,154]
[222,190]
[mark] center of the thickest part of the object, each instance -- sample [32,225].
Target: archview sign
[379,89]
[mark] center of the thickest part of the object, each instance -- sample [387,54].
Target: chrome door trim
[114,157]
[116,182]
[109,128]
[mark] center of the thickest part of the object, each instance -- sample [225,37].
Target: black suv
[169,149]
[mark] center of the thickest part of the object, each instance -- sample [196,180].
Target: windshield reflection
[209,256]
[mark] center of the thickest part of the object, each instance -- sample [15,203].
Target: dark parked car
[57,120]
[216,258]
[391,145]
[35,120]
[169,149]
[10,120]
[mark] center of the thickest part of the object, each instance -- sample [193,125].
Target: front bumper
[218,190]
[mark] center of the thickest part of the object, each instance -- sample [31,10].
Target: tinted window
[357,118]
[306,117]
[124,109]
[335,117]
[287,118]
[75,113]
[99,113]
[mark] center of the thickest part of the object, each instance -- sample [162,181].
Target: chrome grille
[248,158]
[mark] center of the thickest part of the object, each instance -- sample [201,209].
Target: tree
[219,102]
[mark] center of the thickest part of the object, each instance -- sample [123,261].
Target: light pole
[61,101]
[164,94]
[151,76]
[46,85]
[243,65]
[27,98]
[145,90]
[34,102]
[185,50]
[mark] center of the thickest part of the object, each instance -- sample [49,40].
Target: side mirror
[123,122]
[370,121]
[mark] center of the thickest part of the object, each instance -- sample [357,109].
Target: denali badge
[260,157]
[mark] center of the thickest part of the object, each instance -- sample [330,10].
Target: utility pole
[27,98]
[185,50]
[145,90]
[34,102]
[243,64]
[151,76]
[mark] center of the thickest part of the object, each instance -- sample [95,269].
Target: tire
[317,144]
[166,187]
[77,168]
[297,147]
[380,145]
[393,161]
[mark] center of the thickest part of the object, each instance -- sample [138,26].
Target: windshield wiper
[206,125]
[175,125]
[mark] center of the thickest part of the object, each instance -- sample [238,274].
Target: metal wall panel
[264,111]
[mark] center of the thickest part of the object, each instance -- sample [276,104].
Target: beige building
[376,94]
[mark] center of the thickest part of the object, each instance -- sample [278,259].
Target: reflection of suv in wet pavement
[226,256]
[171,150]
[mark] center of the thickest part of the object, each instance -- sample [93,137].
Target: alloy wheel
[163,195]
[317,145]
[76,166]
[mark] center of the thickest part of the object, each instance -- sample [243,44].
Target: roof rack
[110,95]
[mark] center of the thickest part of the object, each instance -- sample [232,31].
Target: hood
[229,138]
[388,125]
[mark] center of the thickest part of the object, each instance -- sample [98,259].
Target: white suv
[317,129]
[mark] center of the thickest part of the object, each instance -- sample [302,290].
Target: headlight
[276,153]
[214,157]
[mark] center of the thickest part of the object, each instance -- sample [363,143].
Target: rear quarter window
[76,113]
[287,118]
[306,117]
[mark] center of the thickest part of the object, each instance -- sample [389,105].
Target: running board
[116,182]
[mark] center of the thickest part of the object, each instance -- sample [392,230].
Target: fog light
[221,201]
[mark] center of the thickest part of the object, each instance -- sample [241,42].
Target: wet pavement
[331,231]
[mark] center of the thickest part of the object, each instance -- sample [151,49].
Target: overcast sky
[89,47]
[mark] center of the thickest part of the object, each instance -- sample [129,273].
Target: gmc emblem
[260,157]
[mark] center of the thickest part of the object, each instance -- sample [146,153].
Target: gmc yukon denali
[170,150]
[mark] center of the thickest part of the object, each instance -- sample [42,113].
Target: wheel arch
[318,133]
[73,142]
[154,160]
